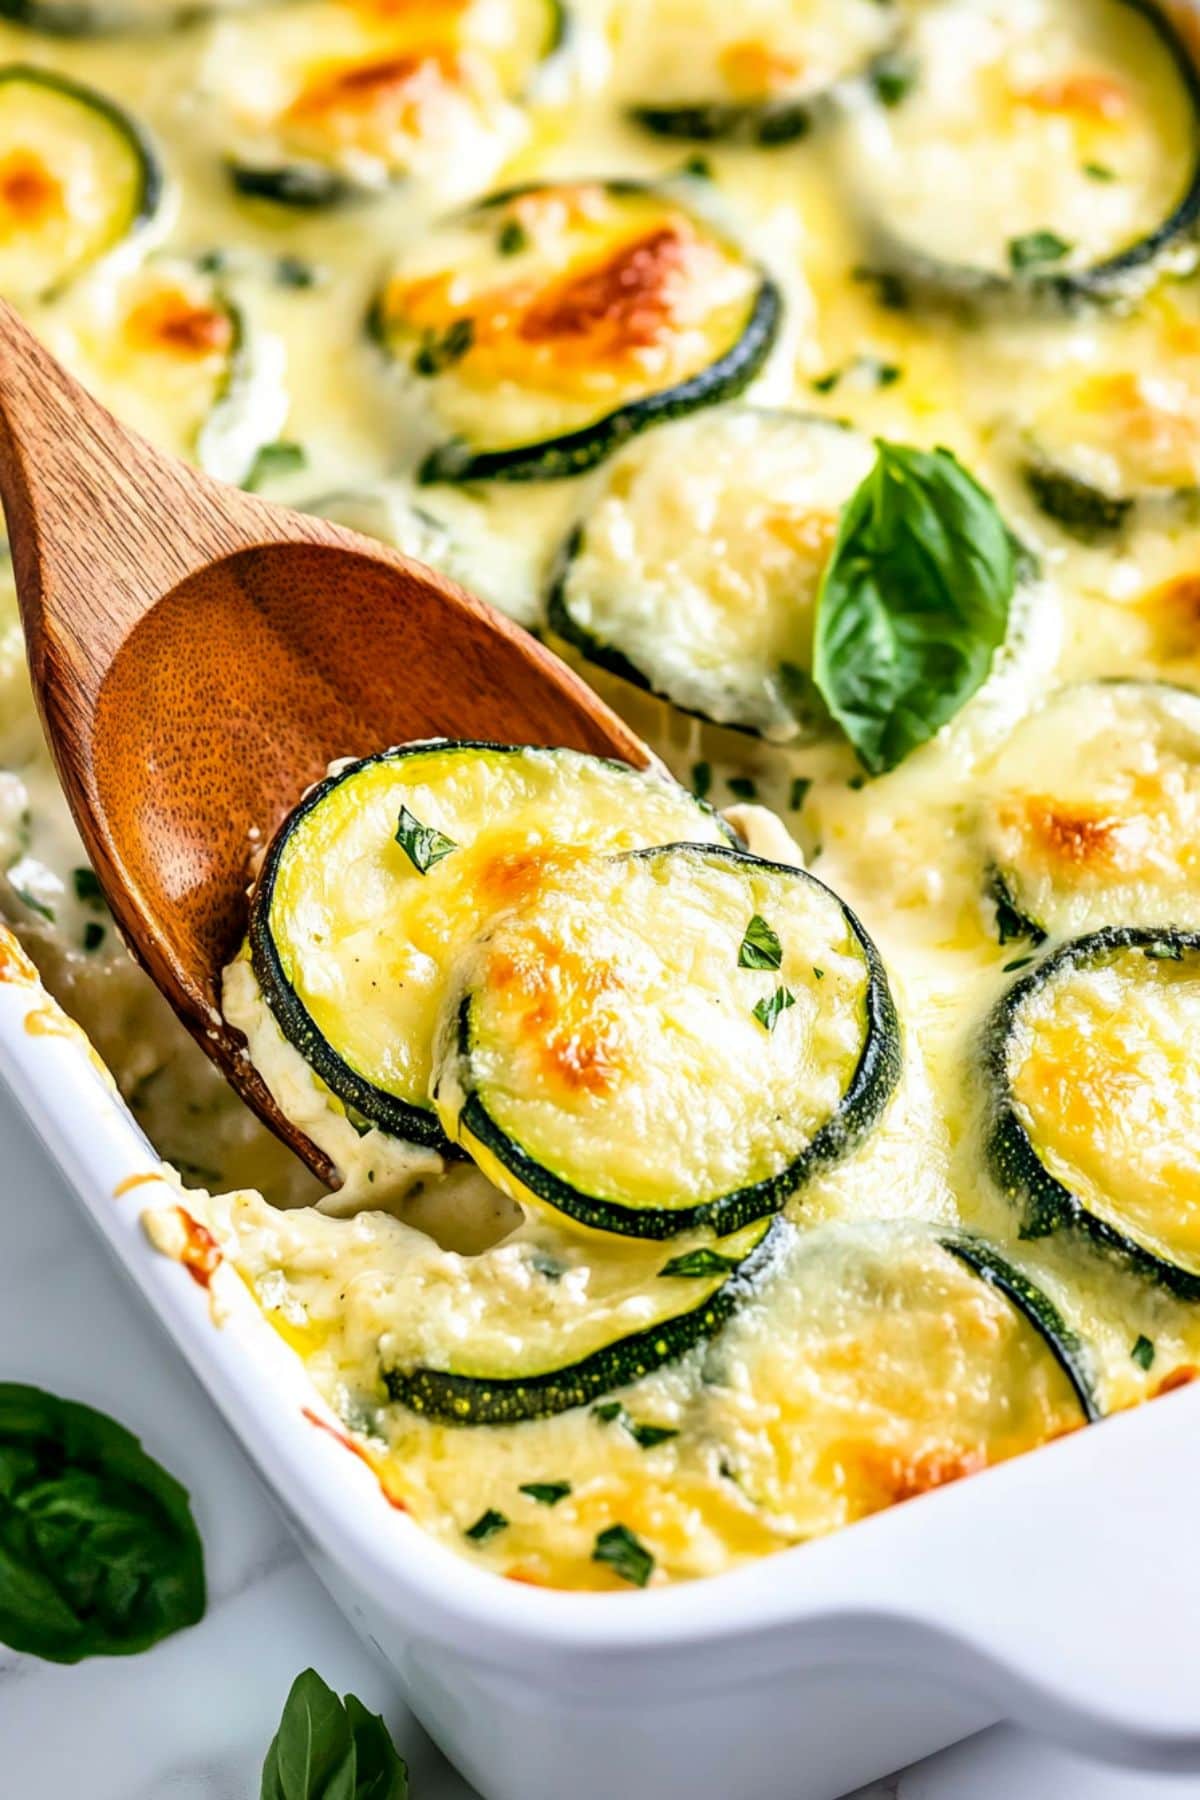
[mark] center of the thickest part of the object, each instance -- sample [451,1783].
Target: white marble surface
[191,1720]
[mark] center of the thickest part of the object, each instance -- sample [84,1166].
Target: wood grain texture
[198,656]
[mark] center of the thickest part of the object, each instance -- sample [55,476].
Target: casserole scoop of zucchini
[548,325]
[666,1040]
[380,874]
[1095,1090]
[1034,153]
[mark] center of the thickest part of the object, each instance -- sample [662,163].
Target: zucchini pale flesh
[77,177]
[1093,815]
[666,1040]
[977,182]
[548,325]
[391,863]
[534,1349]
[695,567]
[1095,1095]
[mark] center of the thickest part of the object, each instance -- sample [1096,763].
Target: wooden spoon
[199,656]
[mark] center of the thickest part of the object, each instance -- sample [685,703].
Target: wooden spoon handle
[99,523]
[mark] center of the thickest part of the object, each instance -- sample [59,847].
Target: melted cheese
[908,851]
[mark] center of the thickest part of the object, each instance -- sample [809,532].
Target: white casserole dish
[1059,1589]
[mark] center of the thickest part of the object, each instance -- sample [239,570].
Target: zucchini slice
[977,176]
[181,361]
[1091,1060]
[666,1040]
[507,1341]
[694,571]
[702,71]
[334,101]
[1094,810]
[879,1362]
[77,177]
[120,18]
[549,324]
[353,931]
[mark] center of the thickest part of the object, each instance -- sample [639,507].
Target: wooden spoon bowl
[199,656]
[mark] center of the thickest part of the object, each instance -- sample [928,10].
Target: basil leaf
[913,603]
[695,1263]
[280,458]
[486,1526]
[1143,1351]
[760,948]
[546,1493]
[1036,247]
[99,1554]
[767,1011]
[647,1437]
[422,844]
[330,1749]
[625,1554]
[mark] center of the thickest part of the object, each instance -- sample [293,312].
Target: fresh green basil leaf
[1143,1351]
[546,1493]
[280,458]
[767,1011]
[1035,248]
[760,948]
[486,1526]
[422,844]
[625,1554]
[913,603]
[330,1749]
[648,1437]
[99,1554]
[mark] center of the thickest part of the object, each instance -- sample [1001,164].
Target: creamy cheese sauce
[1111,393]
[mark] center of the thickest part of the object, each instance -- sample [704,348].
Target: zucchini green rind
[988,226]
[1091,813]
[78,176]
[122,18]
[717,619]
[1090,1060]
[1064,1344]
[360,908]
[526,325]
[530,1366]
[667,1040]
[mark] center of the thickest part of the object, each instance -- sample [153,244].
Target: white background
[191,1720]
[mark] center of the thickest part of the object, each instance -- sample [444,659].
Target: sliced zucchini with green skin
[1093,815]
[181,361]
[976,184]
[666,1040]
[881,1361]
[353,931]
[760,74]
[123,18]
[695,567]
[548,325]
[330,102]
[530,1349]
[1095,1097]
[77,177]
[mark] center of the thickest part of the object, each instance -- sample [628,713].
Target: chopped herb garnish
[701,780]
[441,352]
[892,77]
[891,290]
[607,1411]
[625,1555]
[799,793]
[1099,171]
[887,374]
[767,1011]
[856,783]
[1018,962]
[1010,924]
[760,948]
[1035,247]
[273,460]
[422,844]
[87,888]
[486,1526]
[546,1493]
[294,272]
[647,1436]
[694,1264]
[742,787]
[818,974]
[698,167]
[1142,1352]
[513,238]
[212,262]
[825,384]
[31,900]
[93,935]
